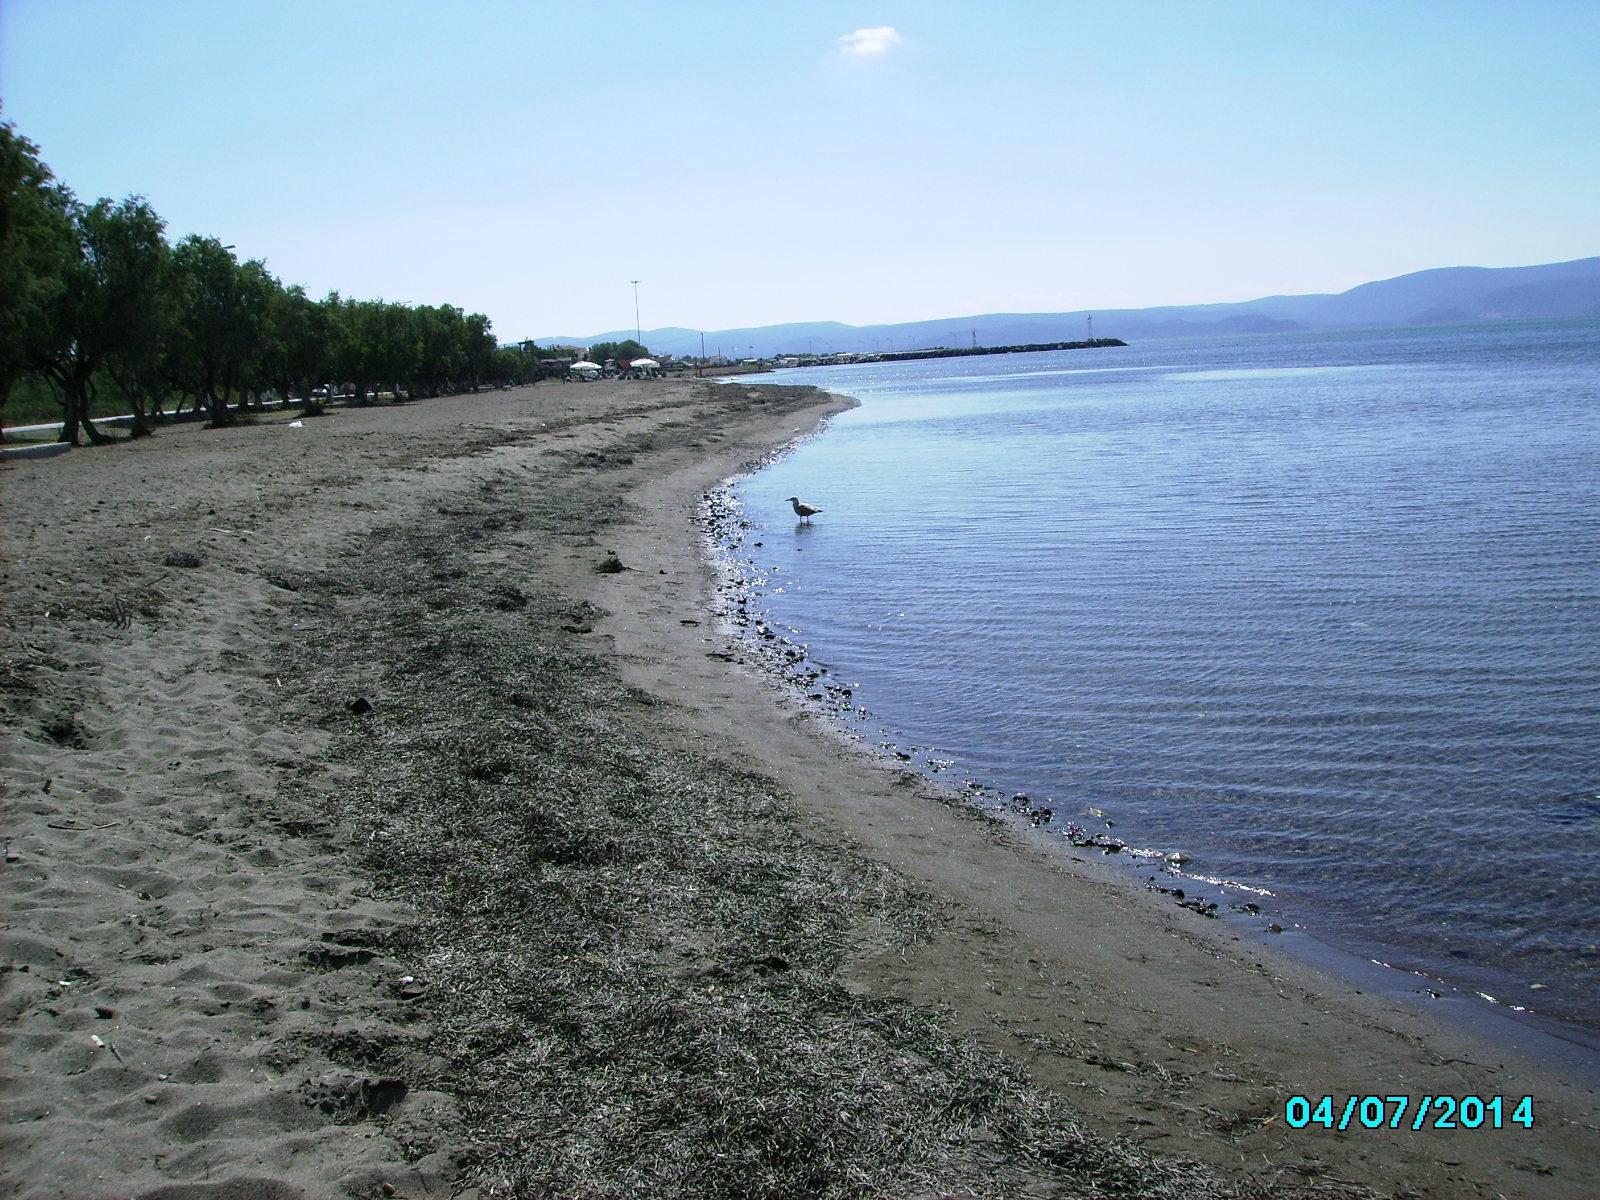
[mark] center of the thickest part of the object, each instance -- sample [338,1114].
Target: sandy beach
[387,813]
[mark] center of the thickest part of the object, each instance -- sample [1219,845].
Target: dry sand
[578,903]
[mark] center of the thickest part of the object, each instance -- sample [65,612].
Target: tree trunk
[69,422]
[85,395]
[75,408]
[217,402]
[221,417]
[95,436]
[141,416]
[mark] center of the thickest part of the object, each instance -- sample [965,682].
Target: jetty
[942,352]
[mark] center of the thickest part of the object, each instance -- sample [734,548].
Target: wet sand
[366,835]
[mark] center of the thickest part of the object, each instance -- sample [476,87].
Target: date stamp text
[1408,1112]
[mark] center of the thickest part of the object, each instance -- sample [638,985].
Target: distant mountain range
[1446,296]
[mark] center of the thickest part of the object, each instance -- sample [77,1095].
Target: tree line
[94,298]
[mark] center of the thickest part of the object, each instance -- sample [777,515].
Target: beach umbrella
[584,366]
[645,364]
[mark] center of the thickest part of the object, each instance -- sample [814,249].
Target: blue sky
[751,164]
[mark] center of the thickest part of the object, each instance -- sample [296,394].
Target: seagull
[804,511]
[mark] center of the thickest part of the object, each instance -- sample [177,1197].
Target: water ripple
[1325,611]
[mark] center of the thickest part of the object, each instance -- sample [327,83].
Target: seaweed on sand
[628,953]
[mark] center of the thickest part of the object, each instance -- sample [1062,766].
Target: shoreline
[494,896]
[1567,1049]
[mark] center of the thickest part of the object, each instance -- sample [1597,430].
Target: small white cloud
[869,43]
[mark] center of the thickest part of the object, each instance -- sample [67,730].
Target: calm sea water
[1321,611]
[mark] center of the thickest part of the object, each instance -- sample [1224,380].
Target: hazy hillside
[1447,295]
[1470,291]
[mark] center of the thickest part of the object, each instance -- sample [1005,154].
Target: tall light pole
[637,335]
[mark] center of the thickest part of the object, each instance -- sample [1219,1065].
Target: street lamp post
[638,336]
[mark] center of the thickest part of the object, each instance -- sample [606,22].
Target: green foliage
[624,351]
[213,330]
[100,304]
[132,311]
[480,347]
[296,355]
[36,251]
[443,351]
[34,402]
[98,310]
